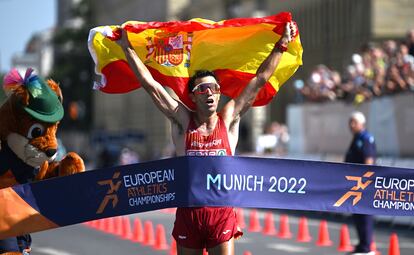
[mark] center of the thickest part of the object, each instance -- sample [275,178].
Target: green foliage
[2,94]
[73,68]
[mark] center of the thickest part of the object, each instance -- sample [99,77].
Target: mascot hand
[72,163]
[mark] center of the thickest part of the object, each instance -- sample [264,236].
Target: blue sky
[19,19]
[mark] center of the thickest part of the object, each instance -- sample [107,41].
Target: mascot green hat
[44,104]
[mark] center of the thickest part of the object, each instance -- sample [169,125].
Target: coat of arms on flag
[169,49]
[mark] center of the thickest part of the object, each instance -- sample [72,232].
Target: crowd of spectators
[378,69]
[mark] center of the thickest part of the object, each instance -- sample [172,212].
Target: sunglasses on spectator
[202,88]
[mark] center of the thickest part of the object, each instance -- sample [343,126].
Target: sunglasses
[201,88]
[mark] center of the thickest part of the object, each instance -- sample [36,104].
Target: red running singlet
[206,227]
[215,144]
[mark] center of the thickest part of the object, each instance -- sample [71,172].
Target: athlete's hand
[290,33]
[123,40]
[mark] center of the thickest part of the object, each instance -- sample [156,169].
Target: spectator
[378,66]
[390,50]
[108,156]
[266,143]
[128,156]
[283,139]
[410,42]
[274,140]
[400,71]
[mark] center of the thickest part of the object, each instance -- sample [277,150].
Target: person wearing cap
[361,151]
[206,132]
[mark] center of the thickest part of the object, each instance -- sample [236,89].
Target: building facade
[38,54]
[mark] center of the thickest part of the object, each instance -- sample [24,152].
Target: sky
[19,20]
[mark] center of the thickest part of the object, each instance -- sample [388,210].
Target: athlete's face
[206,94]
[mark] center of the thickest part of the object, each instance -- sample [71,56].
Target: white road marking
[288,248]
[50,251]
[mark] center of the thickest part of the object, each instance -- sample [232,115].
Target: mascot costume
[29,120]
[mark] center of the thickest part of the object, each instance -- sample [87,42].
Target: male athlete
[202,132]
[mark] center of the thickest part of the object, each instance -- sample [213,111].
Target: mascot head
[30,116]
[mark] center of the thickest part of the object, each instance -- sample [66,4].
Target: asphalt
[83,239]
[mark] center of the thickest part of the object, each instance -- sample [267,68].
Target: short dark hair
[199,74]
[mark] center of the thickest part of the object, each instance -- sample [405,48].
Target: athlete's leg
[226,248]
[187,251]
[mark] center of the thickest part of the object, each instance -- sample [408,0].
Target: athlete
[206,132]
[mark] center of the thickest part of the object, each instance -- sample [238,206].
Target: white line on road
[50,251]
[288,248]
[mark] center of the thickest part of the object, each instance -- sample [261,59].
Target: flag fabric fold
[173,51]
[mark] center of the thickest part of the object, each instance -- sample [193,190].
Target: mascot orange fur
[29,120]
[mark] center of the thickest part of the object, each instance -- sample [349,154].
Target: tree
[73,67]
[2,94]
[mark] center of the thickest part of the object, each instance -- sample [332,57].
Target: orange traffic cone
[240,218]
[102,224]
[137,236]
[323,238]
[344,239]
[373,248]
[269,226]
[91,224]
[126,228]
[303,231]
[160,240]
[254,224]
[119,225]
[110,226]
[394,248]
[284,230]
[173,249]
[148,233]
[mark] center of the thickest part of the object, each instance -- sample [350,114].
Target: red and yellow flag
[174,50]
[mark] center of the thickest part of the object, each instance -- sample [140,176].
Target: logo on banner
[356,191]
[111,193]
[169,49]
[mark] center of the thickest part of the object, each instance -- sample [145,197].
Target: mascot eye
[35,131]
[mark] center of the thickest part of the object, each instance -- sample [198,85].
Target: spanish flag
[173,51]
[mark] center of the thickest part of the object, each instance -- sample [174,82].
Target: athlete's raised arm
[173,109]
[236,107]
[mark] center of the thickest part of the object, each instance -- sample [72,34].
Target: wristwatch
[281,47]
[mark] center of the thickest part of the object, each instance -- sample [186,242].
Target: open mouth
[210,101]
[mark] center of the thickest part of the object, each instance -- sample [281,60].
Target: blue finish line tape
[209,181]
